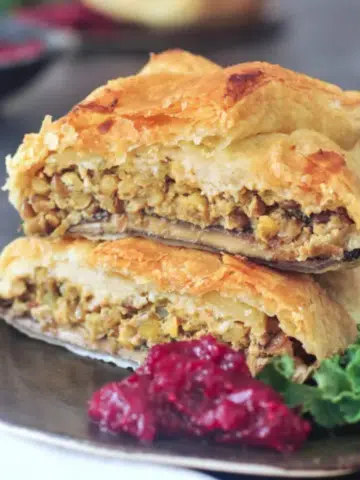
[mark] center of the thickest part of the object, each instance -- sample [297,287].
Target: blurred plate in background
[25,50]
[99,33]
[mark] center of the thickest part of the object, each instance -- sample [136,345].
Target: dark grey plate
[43,395]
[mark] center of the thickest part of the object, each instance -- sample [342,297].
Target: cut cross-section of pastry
[118,298]
[253,159]
[344,287]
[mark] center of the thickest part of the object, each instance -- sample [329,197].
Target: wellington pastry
[252,160]
[344,287]
[113,300]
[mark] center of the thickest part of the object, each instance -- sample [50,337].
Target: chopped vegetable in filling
[59,199]
[143,320]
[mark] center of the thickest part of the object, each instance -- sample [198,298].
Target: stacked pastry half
[188,200]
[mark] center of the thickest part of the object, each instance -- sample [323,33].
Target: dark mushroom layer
[114,202]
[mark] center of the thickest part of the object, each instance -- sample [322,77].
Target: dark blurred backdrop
[320,38]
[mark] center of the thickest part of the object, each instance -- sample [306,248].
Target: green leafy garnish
[333,398]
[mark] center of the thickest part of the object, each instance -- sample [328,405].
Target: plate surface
[43,395]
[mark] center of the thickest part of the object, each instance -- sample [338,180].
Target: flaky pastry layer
[132,293]
[255,151]
[344,288]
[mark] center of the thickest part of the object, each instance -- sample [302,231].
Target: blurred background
[53,53]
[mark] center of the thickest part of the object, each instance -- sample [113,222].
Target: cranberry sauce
[199,388]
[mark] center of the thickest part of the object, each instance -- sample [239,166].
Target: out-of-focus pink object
[16,52]
[73,16]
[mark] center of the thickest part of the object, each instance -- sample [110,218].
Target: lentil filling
[60,199]
[137,322]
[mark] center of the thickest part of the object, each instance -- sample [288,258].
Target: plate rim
[212,465]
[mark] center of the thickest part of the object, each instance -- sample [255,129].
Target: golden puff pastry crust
[125,295]
[252,159]
[344,288]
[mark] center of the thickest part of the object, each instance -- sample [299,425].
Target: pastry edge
[73,342]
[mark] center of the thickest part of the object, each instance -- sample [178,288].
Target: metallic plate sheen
[43,395]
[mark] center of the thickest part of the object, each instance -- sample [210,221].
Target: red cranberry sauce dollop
[200,388]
